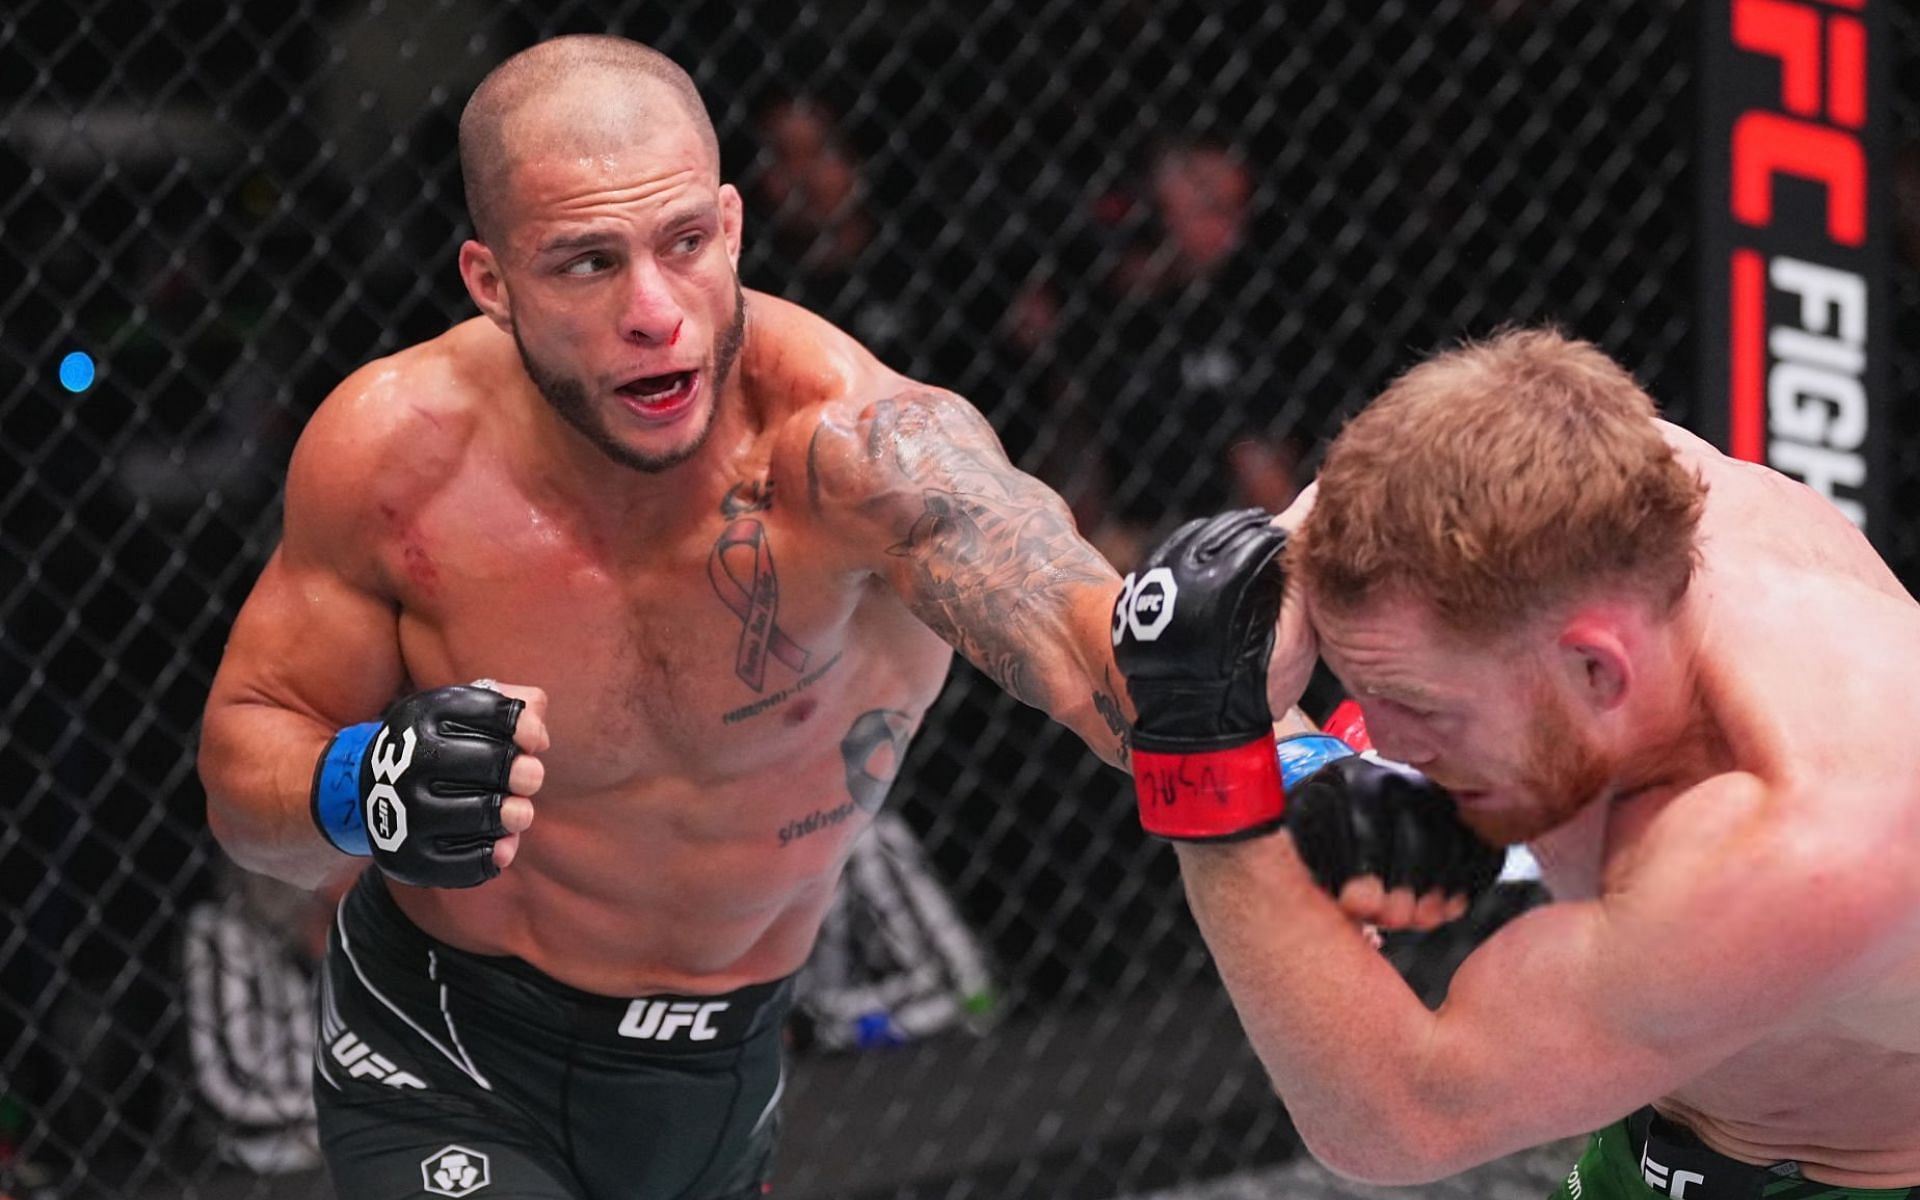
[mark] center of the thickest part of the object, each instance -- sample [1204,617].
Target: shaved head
[580,94]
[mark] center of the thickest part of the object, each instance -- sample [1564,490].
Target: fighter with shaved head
[717,558]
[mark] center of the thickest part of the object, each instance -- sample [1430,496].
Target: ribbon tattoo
[741,570]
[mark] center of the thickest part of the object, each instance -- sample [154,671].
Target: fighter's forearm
[1051,648]
[1342,1037]
[257,762]
[986,555]
[1087,693]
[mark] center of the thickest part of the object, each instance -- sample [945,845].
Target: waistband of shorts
[405,957]
[1673,1160]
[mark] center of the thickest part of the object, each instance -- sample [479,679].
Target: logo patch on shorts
[660,1020]
[455,1171]
[360,1060]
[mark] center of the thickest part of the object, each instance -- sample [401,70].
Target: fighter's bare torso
[1806,656]
[729,692]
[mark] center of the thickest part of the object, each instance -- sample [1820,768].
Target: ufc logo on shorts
[1665,1181]
[360,1061]
[1146,606]
[386,816]
[660,1020]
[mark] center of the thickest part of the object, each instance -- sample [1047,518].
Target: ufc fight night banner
[1797,335]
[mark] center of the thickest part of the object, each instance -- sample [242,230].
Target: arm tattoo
[1115,717]
[995,558]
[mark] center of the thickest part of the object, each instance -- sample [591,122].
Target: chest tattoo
[743,575]
[872,749]
[773,700]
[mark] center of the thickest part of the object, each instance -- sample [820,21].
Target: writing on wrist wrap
[1210,795]
[336,790]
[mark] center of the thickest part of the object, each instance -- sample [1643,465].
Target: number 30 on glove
[421,789]
[1192,632]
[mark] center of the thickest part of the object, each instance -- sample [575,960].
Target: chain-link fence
[1162,246]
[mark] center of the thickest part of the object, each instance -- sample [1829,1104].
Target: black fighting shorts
[443,1073]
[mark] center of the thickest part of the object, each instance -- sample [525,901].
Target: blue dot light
[76,371]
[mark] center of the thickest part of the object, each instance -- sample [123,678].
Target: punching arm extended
[985,555]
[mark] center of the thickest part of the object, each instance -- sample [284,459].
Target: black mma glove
[420,790]
[1357,816]
[1192,632]
[1351,816]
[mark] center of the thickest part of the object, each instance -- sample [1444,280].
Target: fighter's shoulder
[1686,443]
[889,437]
[1739,902]
[1781,840]
[1804,696]
[1762,529]
[851,426]
[797,358]
[393,426]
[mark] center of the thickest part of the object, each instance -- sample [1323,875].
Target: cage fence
[1165,248]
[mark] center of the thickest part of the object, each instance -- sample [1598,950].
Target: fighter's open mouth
[657,391]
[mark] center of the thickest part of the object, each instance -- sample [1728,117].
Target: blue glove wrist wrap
[336,789]
[1303,754]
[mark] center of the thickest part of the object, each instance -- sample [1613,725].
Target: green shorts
[1648,1156]
[442,1073]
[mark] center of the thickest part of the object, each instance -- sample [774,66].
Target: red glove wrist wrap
[1349,724]
[1209,795]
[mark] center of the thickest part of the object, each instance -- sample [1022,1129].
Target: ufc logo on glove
[1145,607]
[386,815]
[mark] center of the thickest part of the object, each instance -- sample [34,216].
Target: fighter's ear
[1593,653]
[480,271]
[731,220]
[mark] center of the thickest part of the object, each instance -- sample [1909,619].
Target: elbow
[229,827]
[247,842]
[223,824]
[227,820]
[206,764]
[1394,1154]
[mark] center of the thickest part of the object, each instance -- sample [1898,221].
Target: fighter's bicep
[319,633]
[1541,1025]
[1743,905]
[1726,925]
[311,641]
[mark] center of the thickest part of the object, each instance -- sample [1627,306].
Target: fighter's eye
[587,264]
[690,243]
